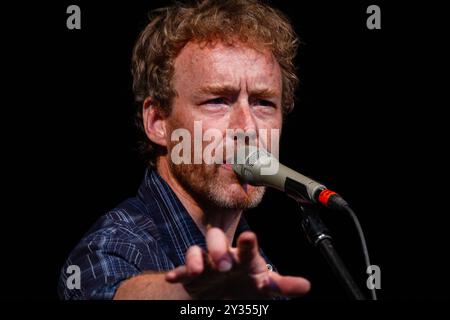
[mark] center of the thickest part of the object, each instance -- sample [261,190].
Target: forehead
[235,65]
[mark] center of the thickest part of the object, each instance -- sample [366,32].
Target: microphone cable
[346,208]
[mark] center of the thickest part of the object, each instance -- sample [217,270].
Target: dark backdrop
[368,123]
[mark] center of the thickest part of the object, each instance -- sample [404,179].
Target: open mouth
[228,163]
[227,166]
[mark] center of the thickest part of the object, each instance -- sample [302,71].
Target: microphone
[254,169]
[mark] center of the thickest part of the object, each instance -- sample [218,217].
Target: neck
[205,215]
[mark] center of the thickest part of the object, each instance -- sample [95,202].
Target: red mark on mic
[325,195]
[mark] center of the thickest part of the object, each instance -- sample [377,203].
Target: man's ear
[154,123]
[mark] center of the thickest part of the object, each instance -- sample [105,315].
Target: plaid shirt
[150,232]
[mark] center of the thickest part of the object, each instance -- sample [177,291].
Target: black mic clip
[318,235]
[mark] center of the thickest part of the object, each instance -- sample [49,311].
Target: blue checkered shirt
[150,232]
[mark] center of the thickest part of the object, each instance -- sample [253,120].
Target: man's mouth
[227,163]
[227,166]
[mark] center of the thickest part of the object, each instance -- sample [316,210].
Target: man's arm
[150,286]
[223,272]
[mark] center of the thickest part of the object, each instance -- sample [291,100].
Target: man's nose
[242,117]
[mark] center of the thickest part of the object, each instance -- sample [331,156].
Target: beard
[215,186]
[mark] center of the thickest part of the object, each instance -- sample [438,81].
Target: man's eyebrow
[218,90]
[265,93]
[231,90]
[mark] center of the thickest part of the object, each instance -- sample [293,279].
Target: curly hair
[206,21]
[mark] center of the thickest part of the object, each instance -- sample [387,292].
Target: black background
[368,123]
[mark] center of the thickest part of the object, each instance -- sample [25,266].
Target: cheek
[181,117]
[177,128]
[270,123]
[201,129]
[215,123]
[269,133]
[214,133]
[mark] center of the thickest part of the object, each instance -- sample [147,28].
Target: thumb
[288,285]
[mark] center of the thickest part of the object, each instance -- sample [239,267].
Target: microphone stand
[318,234]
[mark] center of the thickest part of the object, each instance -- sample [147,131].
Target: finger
[287,285]
[194,261]
[218,249]
[248,252]
[234,254]
[177,275]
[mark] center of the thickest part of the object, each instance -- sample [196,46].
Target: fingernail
[224,265]
[272,286]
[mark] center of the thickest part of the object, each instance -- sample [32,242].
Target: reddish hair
[171,28]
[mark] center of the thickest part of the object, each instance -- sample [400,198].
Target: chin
[218,186]
[234,195]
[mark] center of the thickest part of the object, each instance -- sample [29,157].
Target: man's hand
[232,273]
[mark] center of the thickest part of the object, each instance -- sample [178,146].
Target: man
[226,65]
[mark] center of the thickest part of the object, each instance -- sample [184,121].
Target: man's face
[224,87]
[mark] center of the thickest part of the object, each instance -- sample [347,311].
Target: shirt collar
[177,229]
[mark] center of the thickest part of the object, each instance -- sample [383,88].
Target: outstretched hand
[232,273]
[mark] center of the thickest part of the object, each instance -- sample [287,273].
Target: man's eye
[217,101]
[265,103]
